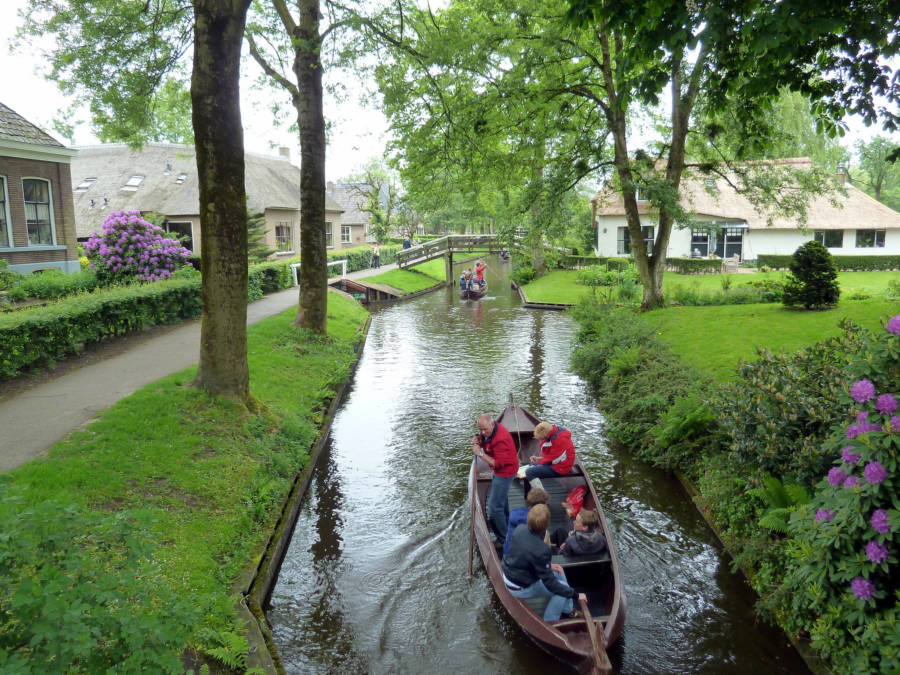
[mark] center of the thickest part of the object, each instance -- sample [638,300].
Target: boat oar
[473,477]
[602,665]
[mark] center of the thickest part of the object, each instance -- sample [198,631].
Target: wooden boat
[581,642]
[478,291]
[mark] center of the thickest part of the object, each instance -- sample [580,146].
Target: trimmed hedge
[574,262]
[53,332]
[696,265]
[268,277]
[843,263]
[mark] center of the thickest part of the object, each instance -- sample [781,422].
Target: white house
[858,225]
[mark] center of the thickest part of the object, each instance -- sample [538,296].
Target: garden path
[36,412]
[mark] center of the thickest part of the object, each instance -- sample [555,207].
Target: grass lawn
[715,339]
[559,286]
[433,268]
[408,281]
[128,539]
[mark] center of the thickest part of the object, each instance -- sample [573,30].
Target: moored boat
[580,642]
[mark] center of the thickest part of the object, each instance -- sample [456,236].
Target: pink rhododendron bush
[842,584]
[128,246]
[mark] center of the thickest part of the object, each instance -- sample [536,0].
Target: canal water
[374,580]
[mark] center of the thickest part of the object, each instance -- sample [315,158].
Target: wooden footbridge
[445,247]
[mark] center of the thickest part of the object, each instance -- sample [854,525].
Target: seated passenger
[586,539]
[557,452]
[520,515]
[527,571]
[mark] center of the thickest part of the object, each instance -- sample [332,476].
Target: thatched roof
[352,197]
[856,210]
[169,184]
[14,127]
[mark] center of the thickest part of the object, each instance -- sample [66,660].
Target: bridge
[445,247]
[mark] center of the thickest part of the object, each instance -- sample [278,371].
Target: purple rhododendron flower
[848,456]
[862,391]
[876,552]
[893,425]
[875,473]
[880,522]
[855,430]
[824,514]
[862,588]
[861,418]
[836,476]
[893,325]
[886,404]
[850,481]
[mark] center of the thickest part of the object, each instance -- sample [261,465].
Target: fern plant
[227,647]
[780,501]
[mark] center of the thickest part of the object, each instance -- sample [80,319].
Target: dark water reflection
[375,578]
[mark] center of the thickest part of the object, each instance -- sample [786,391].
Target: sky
[358,133]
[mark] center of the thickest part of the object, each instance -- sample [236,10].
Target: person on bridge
[480,267]
[407,244]
[495,446]
[528,573]
[557,452]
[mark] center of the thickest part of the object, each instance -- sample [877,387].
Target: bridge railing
[452,243]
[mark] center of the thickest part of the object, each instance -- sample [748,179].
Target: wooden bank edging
[409,296]
[557,306]
[810,658]
[257,584]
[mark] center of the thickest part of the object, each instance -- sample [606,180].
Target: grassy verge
[408,281]
[715,339]
[559,286]
[183,491]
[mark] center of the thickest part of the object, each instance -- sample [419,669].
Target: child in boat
[519,516]
[585,539]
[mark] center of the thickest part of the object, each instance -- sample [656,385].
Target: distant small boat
[477,291]
[578,642]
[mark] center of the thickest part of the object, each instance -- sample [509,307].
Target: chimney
[842,173]
[284,151]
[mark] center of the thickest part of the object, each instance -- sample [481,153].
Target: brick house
[37,222]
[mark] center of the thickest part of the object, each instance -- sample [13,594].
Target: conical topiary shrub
[812,282]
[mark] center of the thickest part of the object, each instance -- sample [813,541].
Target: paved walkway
[35,417]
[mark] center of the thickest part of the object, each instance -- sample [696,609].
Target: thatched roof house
[162,178]
[857,225]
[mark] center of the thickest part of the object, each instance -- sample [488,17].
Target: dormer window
[85,184]
[181,178]
[133,183]
[711,183]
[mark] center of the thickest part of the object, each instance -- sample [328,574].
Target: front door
[730,242]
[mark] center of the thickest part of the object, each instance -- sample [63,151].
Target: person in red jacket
[495,446]
[557,452]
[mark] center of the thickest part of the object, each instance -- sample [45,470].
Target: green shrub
[8,278]
[53,283]
[782,406]
[843,263]
[841,584]
[619,264]
[685,432]
[813,278]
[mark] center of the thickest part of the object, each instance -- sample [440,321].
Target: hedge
[695,265]
[52,332]
[843,263]
[574,262]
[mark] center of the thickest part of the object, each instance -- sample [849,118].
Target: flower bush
[842,583]
[130,247]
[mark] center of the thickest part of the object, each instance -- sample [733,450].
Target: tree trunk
[312,312]
[219,142]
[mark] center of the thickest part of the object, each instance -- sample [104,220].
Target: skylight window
[85,184]
[181,178]
[133,183]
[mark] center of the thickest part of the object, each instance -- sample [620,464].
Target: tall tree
[879,162]
[115,55]
[377,191]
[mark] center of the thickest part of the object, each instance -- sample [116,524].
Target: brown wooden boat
[581,642]
[478,291]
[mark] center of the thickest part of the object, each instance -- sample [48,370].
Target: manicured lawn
[433,268]
[405,280]
[197,480]
[559,286]
[715,339]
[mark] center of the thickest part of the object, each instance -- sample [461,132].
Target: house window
[640,194]
[38,212]
[84,185]
[345,234]
[329,236]
[699,244]
[870,239]
[830,238]
[284,237]
[182,230]
[623,243]
[5,235]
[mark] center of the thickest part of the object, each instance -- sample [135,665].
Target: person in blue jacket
[519,516]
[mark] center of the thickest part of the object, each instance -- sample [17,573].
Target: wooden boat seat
[580,560]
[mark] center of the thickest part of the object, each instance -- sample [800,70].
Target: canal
[375,580]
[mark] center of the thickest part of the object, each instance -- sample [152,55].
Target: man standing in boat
[557,452]
[480,267]
[496,447]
